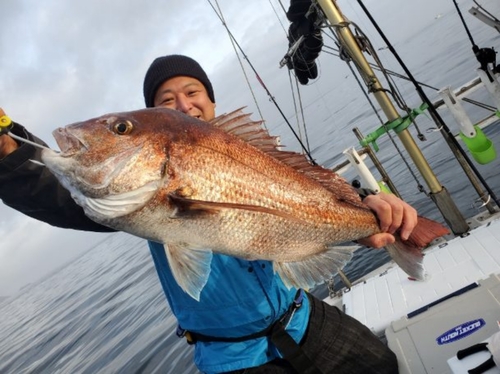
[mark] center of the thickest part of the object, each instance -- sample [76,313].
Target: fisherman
[246,319]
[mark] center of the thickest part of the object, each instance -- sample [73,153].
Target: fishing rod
[485,56]
[271,97]
[336,53]
[452,142]
[6,124]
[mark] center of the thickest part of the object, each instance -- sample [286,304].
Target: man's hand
[393,214]
[7,145]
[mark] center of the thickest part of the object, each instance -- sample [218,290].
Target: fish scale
[223,187]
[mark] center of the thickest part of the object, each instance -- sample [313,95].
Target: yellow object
[481,148]
[4,120]
[189,338]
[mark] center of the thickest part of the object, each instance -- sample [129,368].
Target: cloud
[64,62]
[67,61]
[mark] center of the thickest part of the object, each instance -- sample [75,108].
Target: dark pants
[337,343]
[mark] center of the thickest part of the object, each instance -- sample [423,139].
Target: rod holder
[367,178]
[480,147]
[491,83]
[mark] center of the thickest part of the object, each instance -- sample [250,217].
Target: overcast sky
[66,61]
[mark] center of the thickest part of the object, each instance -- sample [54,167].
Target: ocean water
[105,312]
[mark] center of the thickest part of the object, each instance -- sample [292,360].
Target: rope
[441,124]
[398,149]
[271,97]
[395,92]
[373,66]
[282,7]
[302,113]
[294,103]
[241,65]
[344,55]
[479,104]
[277,16]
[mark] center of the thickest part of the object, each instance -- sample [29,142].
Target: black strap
[291,351]
[485,366]
[196,337]
[289,348]
[488,364]
[471,350]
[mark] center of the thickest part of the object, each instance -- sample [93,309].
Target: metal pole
[438,193]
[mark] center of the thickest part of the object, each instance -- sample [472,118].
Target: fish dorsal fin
[240,125]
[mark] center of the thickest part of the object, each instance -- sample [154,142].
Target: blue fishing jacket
[240,298]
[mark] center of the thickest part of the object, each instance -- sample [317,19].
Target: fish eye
[123,127]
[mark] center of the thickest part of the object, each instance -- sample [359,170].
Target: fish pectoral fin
[189,208]
[117,205]
[190,267]
[315,269]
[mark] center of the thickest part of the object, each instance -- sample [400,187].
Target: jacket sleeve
[33,190]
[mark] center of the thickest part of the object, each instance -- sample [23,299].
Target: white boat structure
[427,322]
[424,322]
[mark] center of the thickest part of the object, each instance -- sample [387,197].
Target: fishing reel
[486,56]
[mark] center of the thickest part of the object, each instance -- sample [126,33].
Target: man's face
[187,95]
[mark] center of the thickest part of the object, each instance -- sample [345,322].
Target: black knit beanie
[171,66]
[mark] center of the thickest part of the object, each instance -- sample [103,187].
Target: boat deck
[452,265]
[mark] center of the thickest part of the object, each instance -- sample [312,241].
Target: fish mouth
[68,143]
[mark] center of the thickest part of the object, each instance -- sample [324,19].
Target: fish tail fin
[426,231]
[315,269]
[408,254]
[408,257]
